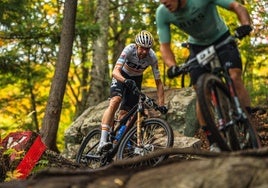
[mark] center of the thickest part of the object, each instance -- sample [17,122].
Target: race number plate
[206,55]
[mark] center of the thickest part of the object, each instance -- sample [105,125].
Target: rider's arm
[241,12]
[167,54]
[164,33]
[120,63]
[117,72]
[158,82]
[160,92]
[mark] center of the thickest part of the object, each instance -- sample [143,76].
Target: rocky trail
[185,168]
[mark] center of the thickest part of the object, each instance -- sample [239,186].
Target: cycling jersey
[199,19]
[134,66]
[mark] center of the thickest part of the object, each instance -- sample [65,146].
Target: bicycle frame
[143,134]
[134,115]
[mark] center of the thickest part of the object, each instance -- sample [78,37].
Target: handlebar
[149,101]
[185,66]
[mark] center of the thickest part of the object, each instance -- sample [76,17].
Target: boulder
[181,116]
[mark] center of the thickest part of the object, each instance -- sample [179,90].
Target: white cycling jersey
[134,66]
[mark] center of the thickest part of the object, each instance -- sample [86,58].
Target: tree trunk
[120,35]
[99,84]
[53,109]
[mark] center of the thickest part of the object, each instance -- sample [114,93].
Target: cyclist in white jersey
[201,20]
[127,76]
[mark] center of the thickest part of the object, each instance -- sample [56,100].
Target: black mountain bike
[227,120]
[141,136]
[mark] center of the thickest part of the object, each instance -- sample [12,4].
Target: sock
[208,134]
[105,129]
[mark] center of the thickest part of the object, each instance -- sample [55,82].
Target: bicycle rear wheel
[87,153]
[156,134]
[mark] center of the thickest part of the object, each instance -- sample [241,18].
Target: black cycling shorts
[228,55]
[129,100]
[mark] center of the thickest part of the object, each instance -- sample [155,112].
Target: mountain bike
[227,120]
[142,135]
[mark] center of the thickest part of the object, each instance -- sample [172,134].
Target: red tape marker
[31,157]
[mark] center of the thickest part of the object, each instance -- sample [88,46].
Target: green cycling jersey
[198,18]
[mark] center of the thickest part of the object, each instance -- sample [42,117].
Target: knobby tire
[156,134]
[89,146]
[239,135]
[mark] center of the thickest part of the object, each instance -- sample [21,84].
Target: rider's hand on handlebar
[131,84]
[173,71]
[163,109]
[243,31]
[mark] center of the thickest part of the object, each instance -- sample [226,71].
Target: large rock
[181,116]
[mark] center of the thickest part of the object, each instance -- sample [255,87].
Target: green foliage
[9,168]
[85,24]
[41,165]
[28,51]
[11,10]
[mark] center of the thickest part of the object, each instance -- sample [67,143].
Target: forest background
[32,56]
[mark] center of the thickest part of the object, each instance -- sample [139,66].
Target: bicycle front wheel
[217,109]
[87,153]
[231,129]
[156,134]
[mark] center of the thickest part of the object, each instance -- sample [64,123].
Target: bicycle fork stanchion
[221,122]
[139,125]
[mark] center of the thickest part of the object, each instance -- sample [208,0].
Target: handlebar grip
[180,71]
[162,109]
[174,71]
[136,91]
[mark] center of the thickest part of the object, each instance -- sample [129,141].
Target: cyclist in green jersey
[204,26]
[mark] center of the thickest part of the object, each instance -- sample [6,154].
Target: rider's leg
[236,75]
[107,120]
[121,114]
[202,124]
[212,144]
[200,118]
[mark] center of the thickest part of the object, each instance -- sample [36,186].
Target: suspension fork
[139,123]
[215,102]
[234,95]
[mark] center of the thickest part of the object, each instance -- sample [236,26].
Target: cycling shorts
[129,100]
[228,54]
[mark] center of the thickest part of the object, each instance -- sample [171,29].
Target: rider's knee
[115,101]
[236,76]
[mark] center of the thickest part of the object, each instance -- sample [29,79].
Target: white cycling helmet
[144,39]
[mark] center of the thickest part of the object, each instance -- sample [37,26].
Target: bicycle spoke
[155,135]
